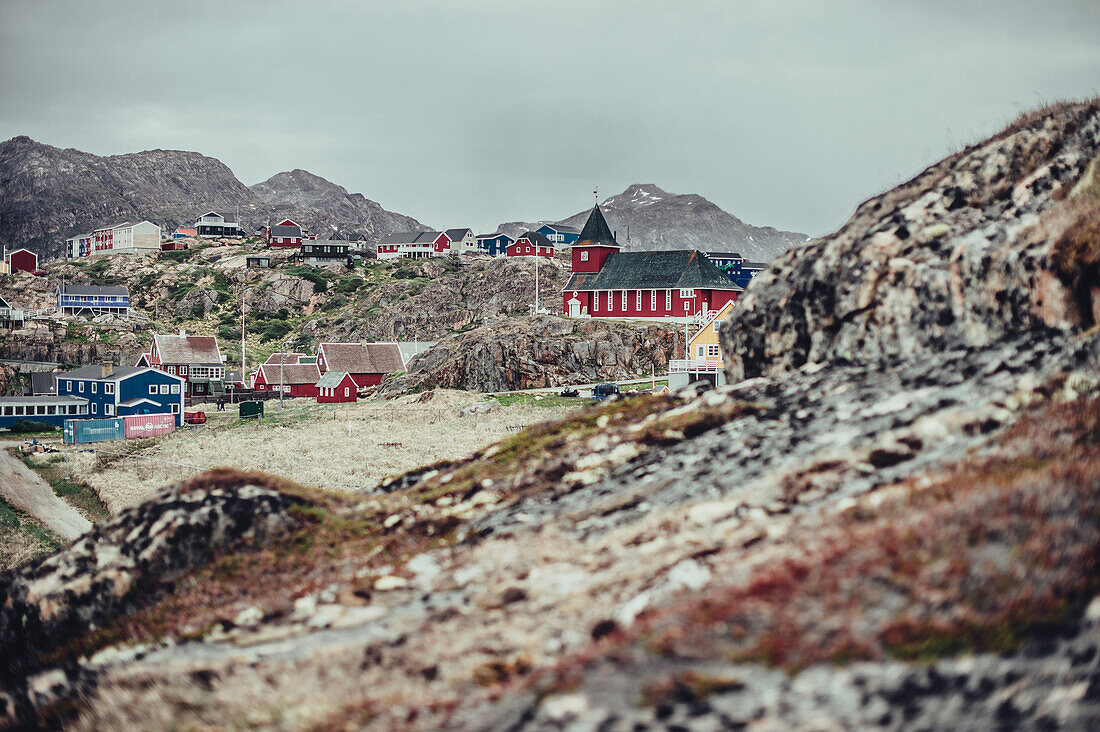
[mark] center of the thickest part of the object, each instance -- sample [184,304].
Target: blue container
[83,431]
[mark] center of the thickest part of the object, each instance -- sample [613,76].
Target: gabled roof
[136,401]
[280,230]
[189,232]
[362,358]
[498,235]
[596,231]
[560,229]
[332,379]
[290,374]
[95,373]
[188,349]
[212,213]
[4,303]
[67,289]
[664,270]
[400,237]
[457,234]
[536,238]
[722,313]
[288,222]
[291,358]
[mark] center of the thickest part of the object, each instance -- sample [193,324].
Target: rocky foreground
[890,520]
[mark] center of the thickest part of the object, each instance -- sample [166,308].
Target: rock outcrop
[977,247]
[543,351]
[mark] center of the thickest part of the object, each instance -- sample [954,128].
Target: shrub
[31,425]
[198,310]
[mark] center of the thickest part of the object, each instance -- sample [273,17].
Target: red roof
[362,358]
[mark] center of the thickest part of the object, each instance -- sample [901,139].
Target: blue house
[119,391]
[562,236]
[92,300]
[736,268]
[51,409]
[495,245]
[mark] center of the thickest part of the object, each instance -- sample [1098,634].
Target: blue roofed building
[92,300]
[495,245]
[559,235]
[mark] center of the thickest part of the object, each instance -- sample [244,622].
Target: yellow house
[704,361]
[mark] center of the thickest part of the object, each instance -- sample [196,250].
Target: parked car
[604,391]
[194,417]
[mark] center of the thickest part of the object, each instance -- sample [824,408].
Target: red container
[148,425]
[194,417]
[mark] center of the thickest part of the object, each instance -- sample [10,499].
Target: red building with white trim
[21,260]
[368,363]
[296,380]
[337,387]
[607,282]
[287,233]
[531,244]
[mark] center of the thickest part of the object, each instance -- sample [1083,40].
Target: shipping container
[251,409]
[83,431]
[149,425]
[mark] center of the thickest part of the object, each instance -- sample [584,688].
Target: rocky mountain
[892,523]
[48,194]
[646,217]
[321,205]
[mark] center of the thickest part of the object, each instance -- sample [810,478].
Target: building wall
[597,255]
[22,260]
[8,416]
[338,395]
[145,235]
[652,303]
[524,248]
[133,387]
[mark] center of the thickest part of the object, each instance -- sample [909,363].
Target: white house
[126,237]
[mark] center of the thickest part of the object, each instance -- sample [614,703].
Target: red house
[21,260]
[609,283]
[196,358]
[367,363]
[296,380]
[531,244]
[337,387]
[286,233]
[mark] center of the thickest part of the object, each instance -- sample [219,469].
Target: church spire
[596,230]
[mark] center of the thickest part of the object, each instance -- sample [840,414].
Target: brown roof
[360,358]
[188,349]
[291,373]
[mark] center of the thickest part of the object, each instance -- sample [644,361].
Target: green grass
[548,400]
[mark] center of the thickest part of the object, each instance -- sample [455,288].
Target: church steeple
[596,231]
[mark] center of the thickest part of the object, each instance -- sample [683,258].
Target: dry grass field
[348,447]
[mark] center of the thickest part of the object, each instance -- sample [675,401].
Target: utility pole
[536,278]
[282,357]
[244,368]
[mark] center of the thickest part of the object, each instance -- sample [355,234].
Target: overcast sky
[785,113]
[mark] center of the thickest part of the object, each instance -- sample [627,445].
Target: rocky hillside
[47,194]
[645,217]
[534,352]
[887,526]
[322,205]
[460,300]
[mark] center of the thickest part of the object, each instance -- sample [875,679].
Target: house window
[164,388]
[653,300]
[175,409]
[622,297]
[596,303]
[584,256]
[172,369]
[7,411]
[18,410]
[610,304]
[83,408]
[714,325]
[346,391]
[81,387]
[712,351]
[638,301]
[175,388]
[51,409]
[700,350]
[668,299]
[93,407]
[687,293]
[108,388]
[152,388]
[41,408]
[183,371]
[108,409]
[93,387]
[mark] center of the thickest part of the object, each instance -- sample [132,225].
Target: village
[181,404]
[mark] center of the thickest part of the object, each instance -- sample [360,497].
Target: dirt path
[24,489]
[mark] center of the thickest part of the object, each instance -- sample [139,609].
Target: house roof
[561,229]
[42,399]
[457,234]
[498,235]
[400,237]
[4,303]
[67,289]
[724,255]
[286,357]
[332,379]
[188,349]
[536,238]
[754,265]
[94,372]
[43,382]
[212,213]
[362,358]
[290,374]
[190,232]
[280,230]
[663,270]
[596,231]
[136,401]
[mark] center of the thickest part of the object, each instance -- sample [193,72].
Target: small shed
[336,387]
[22,260]
[258,262]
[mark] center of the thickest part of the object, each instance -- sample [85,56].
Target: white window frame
[668,299]
[93,387]
[175,388]
[175,408]
[638,300]
[152,389]
[714,325]
[686,293]
[108,409]
[596,302]
[164,388]
[622,294]
[713,351]
[610,301]
[347,392]
[653,300]
[94,407]
[108,388]
[700,350]
[584,256]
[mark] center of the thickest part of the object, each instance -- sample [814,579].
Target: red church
[607,282]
